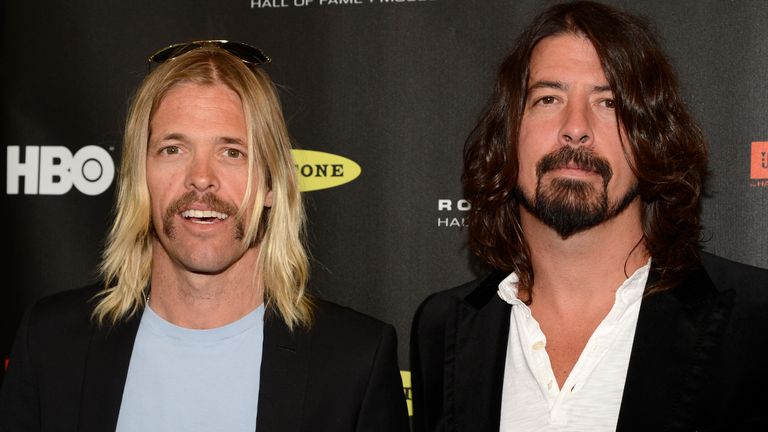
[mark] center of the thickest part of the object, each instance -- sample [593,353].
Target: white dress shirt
[591,396]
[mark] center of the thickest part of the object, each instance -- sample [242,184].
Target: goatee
[570,205]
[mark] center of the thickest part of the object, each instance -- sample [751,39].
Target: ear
[268,199]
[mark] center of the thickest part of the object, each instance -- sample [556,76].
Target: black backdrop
[394,86]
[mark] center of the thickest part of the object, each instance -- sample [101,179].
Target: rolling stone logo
[318,170]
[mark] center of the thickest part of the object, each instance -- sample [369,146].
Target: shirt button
[539,345]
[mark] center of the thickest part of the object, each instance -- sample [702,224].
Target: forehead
[191,95]
[202,110]
[566,57]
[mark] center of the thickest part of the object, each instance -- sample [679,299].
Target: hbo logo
[53,170]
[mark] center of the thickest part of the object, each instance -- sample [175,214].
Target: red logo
[758,167]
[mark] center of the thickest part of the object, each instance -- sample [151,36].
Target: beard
[209,199]
[570,206]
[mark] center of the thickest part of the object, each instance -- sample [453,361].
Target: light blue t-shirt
[193,380]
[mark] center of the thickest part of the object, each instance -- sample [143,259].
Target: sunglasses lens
[172,51]
[246,53]
[242,51]
[160,56]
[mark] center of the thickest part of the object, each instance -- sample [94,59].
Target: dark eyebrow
[557,85]
[602,88]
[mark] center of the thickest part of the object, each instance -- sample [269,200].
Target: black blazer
[699,361]
[65,374]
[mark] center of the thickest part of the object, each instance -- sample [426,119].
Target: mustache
[209,199]
[581,157]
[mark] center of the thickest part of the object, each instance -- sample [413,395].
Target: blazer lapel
[480,343]
[677,333]
[109,355]
[284,369]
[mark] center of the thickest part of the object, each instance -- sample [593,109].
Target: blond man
[203,321]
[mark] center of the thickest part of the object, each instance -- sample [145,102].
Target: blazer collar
[481,347]
[284,370]
[109,355]
[677,334]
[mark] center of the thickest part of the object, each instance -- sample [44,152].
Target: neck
[204,301]
[586,268]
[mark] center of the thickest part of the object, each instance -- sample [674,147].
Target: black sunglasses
[244,52]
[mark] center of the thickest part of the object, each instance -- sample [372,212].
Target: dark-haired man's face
[573,172]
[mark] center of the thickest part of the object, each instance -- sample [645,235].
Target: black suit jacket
[699,360]
[66,374]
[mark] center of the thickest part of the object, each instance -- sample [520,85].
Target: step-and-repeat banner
[386,90]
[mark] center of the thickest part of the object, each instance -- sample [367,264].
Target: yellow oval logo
[319,170]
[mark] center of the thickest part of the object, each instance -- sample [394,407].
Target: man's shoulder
[726,273]
[340,339]
[69,307]
[749,283]
[71,297]
[476,293]
[57,328]
[441,301]
[343,322]
[440,306]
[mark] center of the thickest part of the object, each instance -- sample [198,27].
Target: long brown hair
[666,145]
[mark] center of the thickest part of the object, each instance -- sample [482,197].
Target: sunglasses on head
[248,54]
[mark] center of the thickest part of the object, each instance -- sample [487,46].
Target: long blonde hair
[282,263]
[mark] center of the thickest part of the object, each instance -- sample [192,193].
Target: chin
[205,263]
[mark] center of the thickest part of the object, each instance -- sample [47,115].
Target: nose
[201,174]
[576,127]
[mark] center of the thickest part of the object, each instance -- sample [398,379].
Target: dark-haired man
[585,176]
